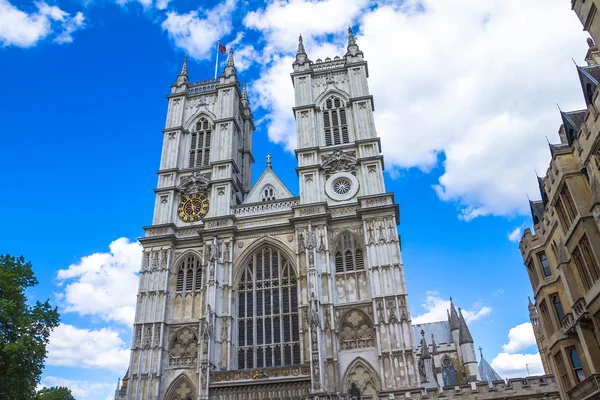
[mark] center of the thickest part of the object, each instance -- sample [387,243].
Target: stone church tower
[250,292]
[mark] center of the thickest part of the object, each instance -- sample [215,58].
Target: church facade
[249,292]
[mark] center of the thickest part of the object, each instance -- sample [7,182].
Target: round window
[342,185]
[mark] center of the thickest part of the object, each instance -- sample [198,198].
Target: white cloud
[516,365]
[476,81]
[104,284]
[18,28]
[515,235]
[198,31]
[520,337]
[81,389]
[437,310]
[74,347]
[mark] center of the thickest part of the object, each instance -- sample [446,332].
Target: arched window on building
[348,256]
[268,332]
[200,146]
[448,372]
[335,122]
[189,275]
[268,193]
[558,307]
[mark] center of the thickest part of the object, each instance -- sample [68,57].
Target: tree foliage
[24,330]
[54,393]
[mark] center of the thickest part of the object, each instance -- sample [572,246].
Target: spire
[433,345]
[531,306]
[542,188]
[301,45]
[487,373]
[244,91]
[353,50]
[351,40]
[301,56]
[453,317]
[184,68]
[464,335]
[182,78]
[230,62]
[229,66]
[424,348]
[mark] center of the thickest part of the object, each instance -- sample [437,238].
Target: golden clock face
[193,207]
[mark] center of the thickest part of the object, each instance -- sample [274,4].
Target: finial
[301,45]
[480,351]
[269,163]
[230,58]
[184,67]
[244,91]
[351,40]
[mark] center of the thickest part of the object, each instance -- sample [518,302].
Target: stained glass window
[268,330]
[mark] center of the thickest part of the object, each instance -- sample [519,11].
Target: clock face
[193,207]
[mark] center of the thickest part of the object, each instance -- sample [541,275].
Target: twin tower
[249,292]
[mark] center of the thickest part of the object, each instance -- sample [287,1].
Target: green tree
[24,330]
[54,393]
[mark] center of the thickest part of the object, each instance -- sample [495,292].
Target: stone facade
[561,254]
[247,292]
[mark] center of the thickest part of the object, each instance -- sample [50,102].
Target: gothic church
[249,292]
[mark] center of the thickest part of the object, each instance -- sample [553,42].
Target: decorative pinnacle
[351,40]
[244,91]
[480,351]
[230,62]
[301,45]
[184,71]
[269,166]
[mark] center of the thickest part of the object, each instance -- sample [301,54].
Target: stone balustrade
[587,389]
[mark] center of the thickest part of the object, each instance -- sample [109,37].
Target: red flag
[222,48]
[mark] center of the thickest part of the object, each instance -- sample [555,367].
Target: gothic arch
[190,123]
[180,258]
[335,92]
[363,376]
[356,330]
[182,388]
[247,254]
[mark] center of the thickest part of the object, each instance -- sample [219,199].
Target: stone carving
[183,350]
[339,161]
[340,212]
[138,337]
[356,330]
[381,201]
[261,209]
[288,391]
[147,336]
[156,341]
[200,101]
[363,379]
[194,183]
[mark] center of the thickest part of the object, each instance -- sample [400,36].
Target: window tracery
[356,330]
[268,193]
[183,349]
[448,372]
[200,146]
[335,122]
[268,331]
[189,275]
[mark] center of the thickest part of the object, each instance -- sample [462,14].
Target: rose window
[342,185]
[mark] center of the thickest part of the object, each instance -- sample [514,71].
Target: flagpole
[217,62]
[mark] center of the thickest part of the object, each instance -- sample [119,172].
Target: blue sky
[465,95]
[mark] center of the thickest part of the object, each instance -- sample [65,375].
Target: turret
[229,74]
[427,363]
[302,62]
[182,82]
[353,53]
[467,350]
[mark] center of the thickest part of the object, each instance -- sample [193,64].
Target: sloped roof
[268,177]
[487,373]
[440,330]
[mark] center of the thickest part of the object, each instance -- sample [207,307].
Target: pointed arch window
[189,275]
[200,146]
[348,256]
[449,373]
[268,331]
[335,122]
